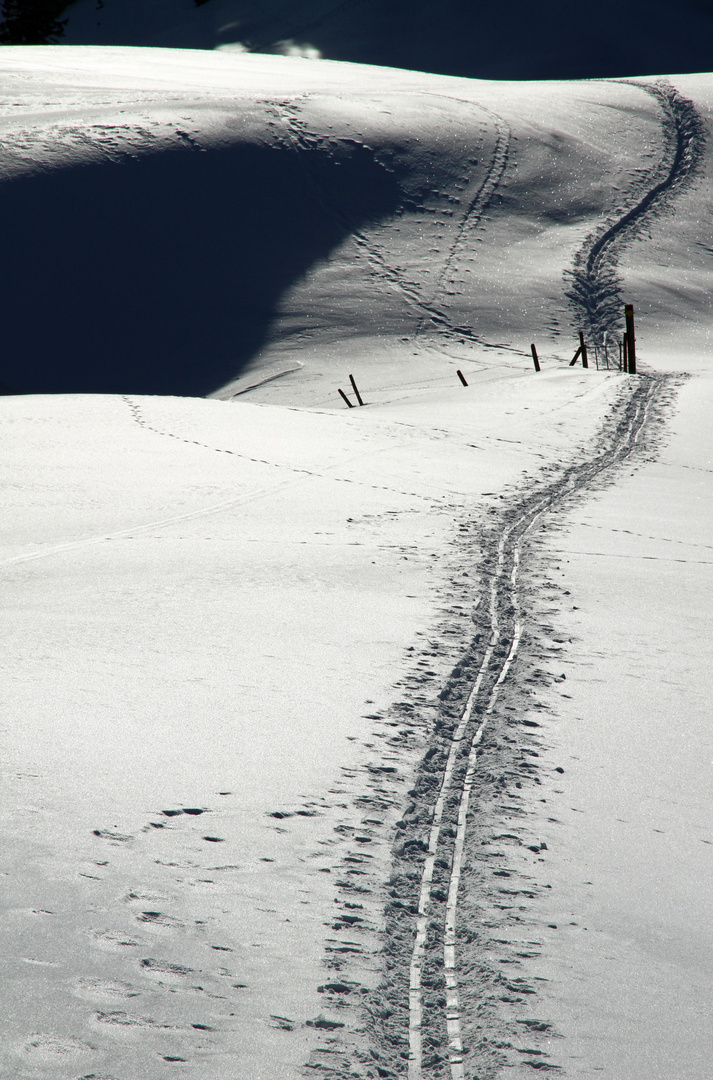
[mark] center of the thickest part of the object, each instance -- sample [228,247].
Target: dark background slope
[522,39]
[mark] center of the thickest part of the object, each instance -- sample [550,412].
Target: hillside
[211,213]
[353,741]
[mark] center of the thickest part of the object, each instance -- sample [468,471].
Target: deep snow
[250,607]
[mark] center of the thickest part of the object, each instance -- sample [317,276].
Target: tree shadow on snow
[160,275]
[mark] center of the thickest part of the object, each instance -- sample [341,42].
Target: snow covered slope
[184,214]
[214,607]
[284,695]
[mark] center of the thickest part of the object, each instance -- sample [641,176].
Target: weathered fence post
[630,338]
[583,347]
[354,387]
[534,357]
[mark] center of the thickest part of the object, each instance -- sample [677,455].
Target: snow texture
[353,741]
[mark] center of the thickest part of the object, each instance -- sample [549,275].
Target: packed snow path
[456,750]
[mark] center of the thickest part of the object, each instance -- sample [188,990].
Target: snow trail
[283,466]
[595,286]
[448,828]
[429,311]
[477,207]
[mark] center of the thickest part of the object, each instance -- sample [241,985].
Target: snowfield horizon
[354,741]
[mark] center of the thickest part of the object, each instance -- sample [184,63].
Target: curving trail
[500,622]
[284,467]
[595,286]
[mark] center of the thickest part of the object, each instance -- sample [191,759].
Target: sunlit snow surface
[212,605]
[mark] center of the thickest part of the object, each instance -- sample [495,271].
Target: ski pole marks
[595,286]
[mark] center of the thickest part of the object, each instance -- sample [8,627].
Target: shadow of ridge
[161,275]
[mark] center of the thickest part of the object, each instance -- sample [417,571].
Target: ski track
[428,312]
[472,217]
[595,286]
[139,418]
[268,378]
[596,295]
[227,504]
[481,703]
[430,921]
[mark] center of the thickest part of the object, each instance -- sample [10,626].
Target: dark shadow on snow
[160,275]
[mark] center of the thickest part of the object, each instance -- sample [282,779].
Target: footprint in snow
[324,1023]
[105,988]
[43,1045]
[157,920]
[114,837]
[165,967]
[113,939]
[127,1020]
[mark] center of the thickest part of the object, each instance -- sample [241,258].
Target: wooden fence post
[534,357]
[354,386]
[461,376]
[583,347]
[346,399]
[630,338]
[625,354]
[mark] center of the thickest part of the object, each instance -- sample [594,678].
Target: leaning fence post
[461,376]
[630,338]
[346,399]
[534,357]
[354,386]
[583,347]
